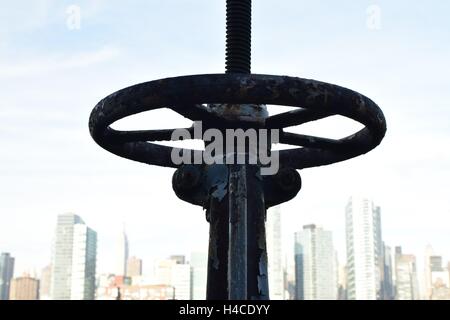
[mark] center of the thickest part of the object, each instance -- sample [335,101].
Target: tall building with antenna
[122,253]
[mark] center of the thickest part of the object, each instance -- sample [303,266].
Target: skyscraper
[178,275]
[406,282]
[448,269]
[439,275]
[289,275]
[199,269]
[440,279]
[6,274]
[427,269]
[73,259]
[342,283]
[122,254]
[274,254]
[24,288]
[179,259]
[436,263]
[62,256]
[364,249]
[83,263]
[134,267]
[181,281]
[315,264]
[44,285]
[387,286]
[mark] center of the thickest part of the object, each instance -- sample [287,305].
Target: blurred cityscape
[372,270]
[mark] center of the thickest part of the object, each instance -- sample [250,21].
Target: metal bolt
[288,179]
[186,177]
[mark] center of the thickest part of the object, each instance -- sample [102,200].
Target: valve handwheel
[236,197]
[186,95]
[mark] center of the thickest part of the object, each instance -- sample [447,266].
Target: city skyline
[287,242]
[317,267]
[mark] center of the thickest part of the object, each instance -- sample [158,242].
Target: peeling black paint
[233,100]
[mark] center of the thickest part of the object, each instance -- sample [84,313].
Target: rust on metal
[189,91]
[236,197]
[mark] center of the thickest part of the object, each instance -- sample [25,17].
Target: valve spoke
[309,141]
[143,135]
[294,118]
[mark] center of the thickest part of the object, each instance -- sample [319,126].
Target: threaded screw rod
[238,48]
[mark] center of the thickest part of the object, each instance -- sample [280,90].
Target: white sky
[51,77]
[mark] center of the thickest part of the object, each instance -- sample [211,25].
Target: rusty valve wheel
[186,95]
[236,196]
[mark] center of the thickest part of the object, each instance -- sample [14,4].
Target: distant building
[290,289]
[105,280]
[122,254]
[73,259]
[274,254]
[289,276]
[364,250]
[437,276]
[199,270]
[181,281]
[435,263]
[24,288]
[134,267]
[427,276]
[179,259]
[407,287]
[440,279]
[173,272]
[448,269]
[6,274]
[163,271]
[440,293]
[342,283]
[44,285]
[387,280]
[62,256]
[315,264]
[136,292]
[84,263]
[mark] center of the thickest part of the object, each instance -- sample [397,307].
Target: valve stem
[239,25]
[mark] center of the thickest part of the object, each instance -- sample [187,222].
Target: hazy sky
[52,75]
